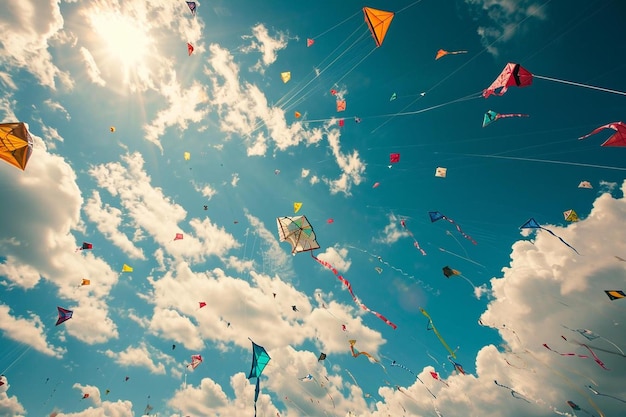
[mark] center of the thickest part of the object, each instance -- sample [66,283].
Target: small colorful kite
[513,75]
[127,268]
[341,105]
[616,139]
[378,269]
[85,396]
[532,224]
[260,359]
[585,184]
[112,129]
[85,282]
[435,216]
[196,360]
[309,42]
[570,216]
[189,49]
[341,123]
[285,76]
[393,97]
[297,206]
[321,357]
[187,156]
[85,246]
[415,242]
[441,172]
[394,158]
[297,114]
[491,116]
[431,326]
[330,221]
[64,315]
[333,92]
[202,304]
[378,22]
[376,185]
[192,7]
[179,236]
[441,53]
[615,294]
[16,144]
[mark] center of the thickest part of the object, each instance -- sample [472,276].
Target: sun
[124,39]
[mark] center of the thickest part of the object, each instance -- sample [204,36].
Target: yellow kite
[378,22]
[187,156]
[126,268]
[285,76]
[296,207]
[570,216]
[16,145]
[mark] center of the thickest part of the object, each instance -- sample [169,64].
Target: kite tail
[432,327]
[595,357]
[256,394]
[564,354]
[458,228]
[561,239]
[347,284]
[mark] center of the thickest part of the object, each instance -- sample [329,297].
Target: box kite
[378,22]
[16,144]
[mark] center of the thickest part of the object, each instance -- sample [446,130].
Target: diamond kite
[64,315]
[616,139]
[16,144]
[615,294]
[192,7]
[570,216]
[513,75]
[298,232]
[127,268]
[285,76]
[532,224]
[260,359]
[442,52]
[378,22]
[491,116]
[85,246]
[441,172]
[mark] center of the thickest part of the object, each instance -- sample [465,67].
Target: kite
[513,75]
[187,156]
[189,49]
[615,294]
[297,114]
[415,242]
[85,246]
[449,272]
[112,129]
[378,269]
[126,378]
[85,282]
[441,172]
[585,184]
[285,76]
[309,42]
[202,304]
[296,207]
[514,393]
[532,224]
[192,7]
[85,396]
[205,208]
[294,308]
[333,92]
[179,236]
[394,158]
[491,116]
[356,353]
[394,363]
[341,105]
[435,375]
[260,359]
[276,171]
[435,215]
[106,392]
[321,357]
[570,216]
[595,357]
[16,144]
[457,366]
[441,53]
[576,407]
[126,268]
[589,335]
[298,232]
[357,120]
[196,360]
[173,347]
[64,315]
[376,184]
[378,22]
[330,221]
[616,139]
[393,97]
[341,123]
[431,326]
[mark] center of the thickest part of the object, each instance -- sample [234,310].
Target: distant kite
[64,315]
[112,129]
[85,246]
[297,206]
[297,114]
[394,158]
[570,216]
[378,22]
[491,116]
[187,156]
[393,97]
[376,185]
[309,42]
[441,172]
[179,236]
[285,76]
[585,184]
[321,357]
[441,53]
[16,144]
[85,282]
[196,360]
[615,294]
[127,268]
[435,216]
[513,75]
[192,7]
[616,139]
[201,304]
[341,105]
[532,224]
[189,49]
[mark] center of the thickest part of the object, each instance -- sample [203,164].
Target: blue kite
[260,359]
[532,224]
[64,315]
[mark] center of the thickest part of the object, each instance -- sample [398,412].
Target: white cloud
[93,72]
[140,356]
[235,180]
[264,43]
[56,106]
[206,190]
[51,135]
[392,231]
[30,331]
[97,407]
[337,257]
[9,406]
[352,168]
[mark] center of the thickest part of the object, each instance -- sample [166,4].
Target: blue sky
[72,70]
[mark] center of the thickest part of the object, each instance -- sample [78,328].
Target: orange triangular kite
[378,22]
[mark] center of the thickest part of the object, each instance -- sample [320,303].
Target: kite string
[592,87]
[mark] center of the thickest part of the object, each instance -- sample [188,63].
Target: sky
[114,101]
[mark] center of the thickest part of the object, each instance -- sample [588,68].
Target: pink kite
[394,158]
[341,105]
[179,236]
[189,48]
[616,139]
[376,184]
[202,304]
[513,75]
[309,42]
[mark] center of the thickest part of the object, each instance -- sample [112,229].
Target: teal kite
[260,359]
[491,116]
